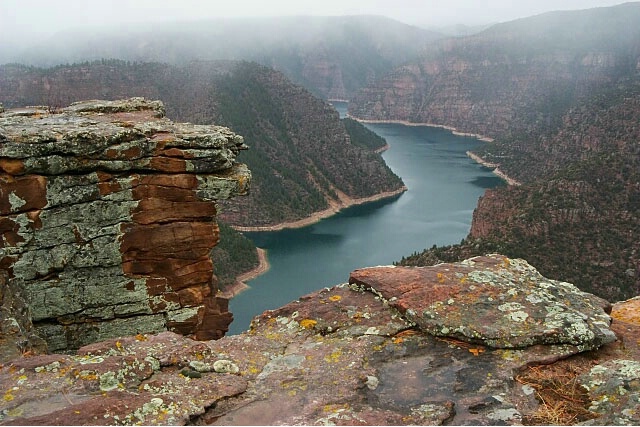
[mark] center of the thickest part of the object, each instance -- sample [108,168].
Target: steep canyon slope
[512,78]
[563,109]
[301,154]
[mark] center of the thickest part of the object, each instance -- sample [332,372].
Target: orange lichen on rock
[627,311]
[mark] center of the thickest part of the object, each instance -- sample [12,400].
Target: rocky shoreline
[496,170]
[346,201]
[335,207]
[408,123]
[494,166]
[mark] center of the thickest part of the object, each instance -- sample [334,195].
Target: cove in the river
[444,187]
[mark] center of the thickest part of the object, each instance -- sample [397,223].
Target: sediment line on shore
[496,170]
[382,149]
[334,208]
[240,284]
[345,201]
[494,166]
[453,130]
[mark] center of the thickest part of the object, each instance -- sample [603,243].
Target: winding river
[444,186]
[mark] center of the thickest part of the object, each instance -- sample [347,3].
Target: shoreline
[495,167]
[382,149]
[334,207]
[453,130]
[345,201]
[240,284]
[496,170]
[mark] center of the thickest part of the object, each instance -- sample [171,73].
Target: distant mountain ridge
[331,56]
[560,93]
[512,76]
[579,218]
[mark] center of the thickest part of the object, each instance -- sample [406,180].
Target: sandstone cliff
[488,341]
[107,218]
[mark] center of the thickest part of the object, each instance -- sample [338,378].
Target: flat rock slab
[144,379]
[345,355]
[494,301]
[338,356]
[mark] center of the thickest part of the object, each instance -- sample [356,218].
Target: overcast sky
[24,19]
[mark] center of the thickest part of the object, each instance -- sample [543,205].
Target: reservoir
[443,189]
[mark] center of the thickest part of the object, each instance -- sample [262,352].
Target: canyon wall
[107,220]
[301,156]
[559,93]
[513,78]
[496,96]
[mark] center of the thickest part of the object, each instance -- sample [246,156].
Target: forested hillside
[234,254]
[577,214]
[300,153]
[514,78]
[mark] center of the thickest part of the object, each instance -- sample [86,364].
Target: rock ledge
[107,218]
[354,354]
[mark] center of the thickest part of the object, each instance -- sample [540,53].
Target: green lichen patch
[614,389]
[493,300]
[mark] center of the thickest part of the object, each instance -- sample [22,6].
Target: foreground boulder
[499,302]
[353,354]
[107,218]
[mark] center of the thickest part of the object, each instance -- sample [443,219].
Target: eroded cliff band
[108,217]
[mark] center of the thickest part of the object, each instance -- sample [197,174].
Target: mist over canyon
[120,226]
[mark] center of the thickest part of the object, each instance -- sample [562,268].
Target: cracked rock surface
[492,300]
[107,219]
[352,354]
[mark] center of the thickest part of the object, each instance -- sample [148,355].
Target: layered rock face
[447,344]
[108,217]
[490,97]
[512,78]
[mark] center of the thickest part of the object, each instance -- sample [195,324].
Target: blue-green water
[444,186]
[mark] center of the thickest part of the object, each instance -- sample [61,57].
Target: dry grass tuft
[563,401]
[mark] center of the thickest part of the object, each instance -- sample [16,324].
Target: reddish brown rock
[340,356]
[492,300]
[107,219]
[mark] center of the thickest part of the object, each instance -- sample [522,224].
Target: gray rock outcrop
[353,354]
[107,218]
